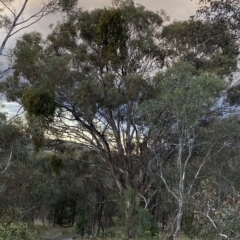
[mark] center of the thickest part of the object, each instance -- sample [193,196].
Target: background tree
[12,21]
[223,14]
[206,45]
[14,151]
[183,98]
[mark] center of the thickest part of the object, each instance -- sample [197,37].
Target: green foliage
[27,52]
[227,217]
[36,129]
[187,221]
[83,220]
[145,224]
[67,5]
[39,101]
[56,162]
[221,12]
[17,231]
[184,94]
[111,32]
[215,195]
[63,211]
[138,221]
[12,138]
[3,117]
[233,94]
[205,45]
[85,45]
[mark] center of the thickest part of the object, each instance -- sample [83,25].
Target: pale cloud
[94,4]
[177,9]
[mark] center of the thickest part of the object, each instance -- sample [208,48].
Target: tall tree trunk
[178,221]
[131,202]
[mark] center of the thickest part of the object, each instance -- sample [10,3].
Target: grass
[112,234]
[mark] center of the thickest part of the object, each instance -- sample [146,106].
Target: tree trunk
[129,218]
[176,228]
[131,202]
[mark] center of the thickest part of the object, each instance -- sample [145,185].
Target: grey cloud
[11,108]
[177,9]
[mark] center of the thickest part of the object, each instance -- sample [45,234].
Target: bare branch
[145,200]
[8,163]
[7,7]
[12,27]
[166,185]
[199,169]
[16,115]
[33,16]
[212,222]
[28,25]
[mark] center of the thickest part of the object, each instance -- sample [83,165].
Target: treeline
[123,110]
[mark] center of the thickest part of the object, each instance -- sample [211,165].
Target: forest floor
[67,233]
[74,237]
[77,237]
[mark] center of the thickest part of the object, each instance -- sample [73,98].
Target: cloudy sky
[176,9]
[179,9]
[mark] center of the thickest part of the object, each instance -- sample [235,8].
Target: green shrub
[145,224]
[39,101]
[63,211]
[139,222]
[82,226]
[16,231]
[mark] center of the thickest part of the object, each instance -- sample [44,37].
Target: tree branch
[12,27]
[10,10]
[8,163]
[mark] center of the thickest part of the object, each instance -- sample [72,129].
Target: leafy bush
[64,211]
[16,231]
[39,101]
[82,225]
[138,222]
[146,225]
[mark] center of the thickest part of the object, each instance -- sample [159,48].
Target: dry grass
[49,231]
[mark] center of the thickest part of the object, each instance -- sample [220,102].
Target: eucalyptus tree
[184,97]
[204,44]
[12,21]
[13,155]
[216,194]
[13,137]
[85,82]
[222,12]
[224,15]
